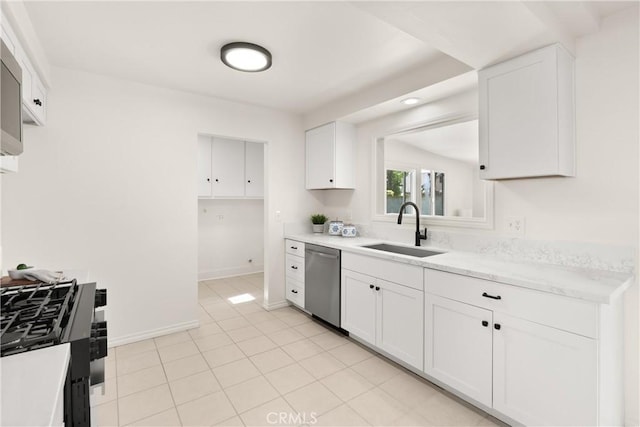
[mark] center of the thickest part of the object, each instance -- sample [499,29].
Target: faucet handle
[424,235]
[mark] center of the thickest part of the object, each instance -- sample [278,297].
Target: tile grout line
[295,362]
[173,399]
[149,388]
[291,327]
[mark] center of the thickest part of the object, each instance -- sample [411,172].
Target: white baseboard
[230,272]
[128,339]
[275,305]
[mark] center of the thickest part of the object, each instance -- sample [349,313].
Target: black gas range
[39,315]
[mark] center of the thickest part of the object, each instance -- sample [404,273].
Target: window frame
[378,207]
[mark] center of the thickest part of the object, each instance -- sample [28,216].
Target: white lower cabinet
[542,375]
[358,305]
[294,272]
[458,340]
[534,357]
[399,321]
[386,315]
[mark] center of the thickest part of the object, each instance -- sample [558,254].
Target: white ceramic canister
[349,230]
[335,228]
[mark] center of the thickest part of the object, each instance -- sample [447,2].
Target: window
[399,189]
[438,193]
[432,192]
[426,192]
[400,186]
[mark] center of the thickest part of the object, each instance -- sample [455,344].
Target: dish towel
[47,276]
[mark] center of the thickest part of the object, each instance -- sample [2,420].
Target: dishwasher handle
[322,254]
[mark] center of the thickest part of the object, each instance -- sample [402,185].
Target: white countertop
[591,285]
[33,385]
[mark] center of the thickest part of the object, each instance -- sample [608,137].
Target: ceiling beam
[477,33]
[419,77]
[557,31]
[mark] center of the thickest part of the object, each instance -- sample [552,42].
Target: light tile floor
[245,366]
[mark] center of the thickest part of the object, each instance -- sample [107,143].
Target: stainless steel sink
[403,250]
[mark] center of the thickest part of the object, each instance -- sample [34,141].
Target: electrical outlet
[278,216]
[220,217]
[515,225]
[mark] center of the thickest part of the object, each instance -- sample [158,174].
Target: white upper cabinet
[229,168]
[34,92]
[204,166]
[254,169]
[330,151]
[527,116]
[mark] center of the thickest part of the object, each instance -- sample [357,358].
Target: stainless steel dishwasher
[322,283]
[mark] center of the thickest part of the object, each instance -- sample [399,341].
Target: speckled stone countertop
[587,284]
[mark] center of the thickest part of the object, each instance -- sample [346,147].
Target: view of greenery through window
[399,185]
[399,189]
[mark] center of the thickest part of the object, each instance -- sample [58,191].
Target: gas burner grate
[34,315]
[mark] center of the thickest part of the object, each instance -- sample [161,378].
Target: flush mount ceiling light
[244,56]
[410,101]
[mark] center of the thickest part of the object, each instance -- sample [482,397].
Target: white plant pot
[318,228]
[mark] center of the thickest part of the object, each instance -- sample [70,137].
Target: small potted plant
[318,221]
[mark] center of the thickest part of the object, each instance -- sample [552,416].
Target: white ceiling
[461,83]
[324,52]
[321,50]
[458,141]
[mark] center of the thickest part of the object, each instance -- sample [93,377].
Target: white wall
[359,203]
[230,233]
[600,205]
[109,184]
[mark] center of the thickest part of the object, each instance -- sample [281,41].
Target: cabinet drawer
[294,248]
[557,311]
[295,292]
[294,267]
[404,274]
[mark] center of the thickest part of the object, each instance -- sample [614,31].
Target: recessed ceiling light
[410,101]
[244,56]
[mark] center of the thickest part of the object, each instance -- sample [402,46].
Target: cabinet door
[458,346]
[254,169]
[204,166]
[7,39]
[33,91]
[542,375]
[27,77]
[38,101]
[400,322]
[320,157]
[358,305]
[295,291]
[227,168]
[519,117]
